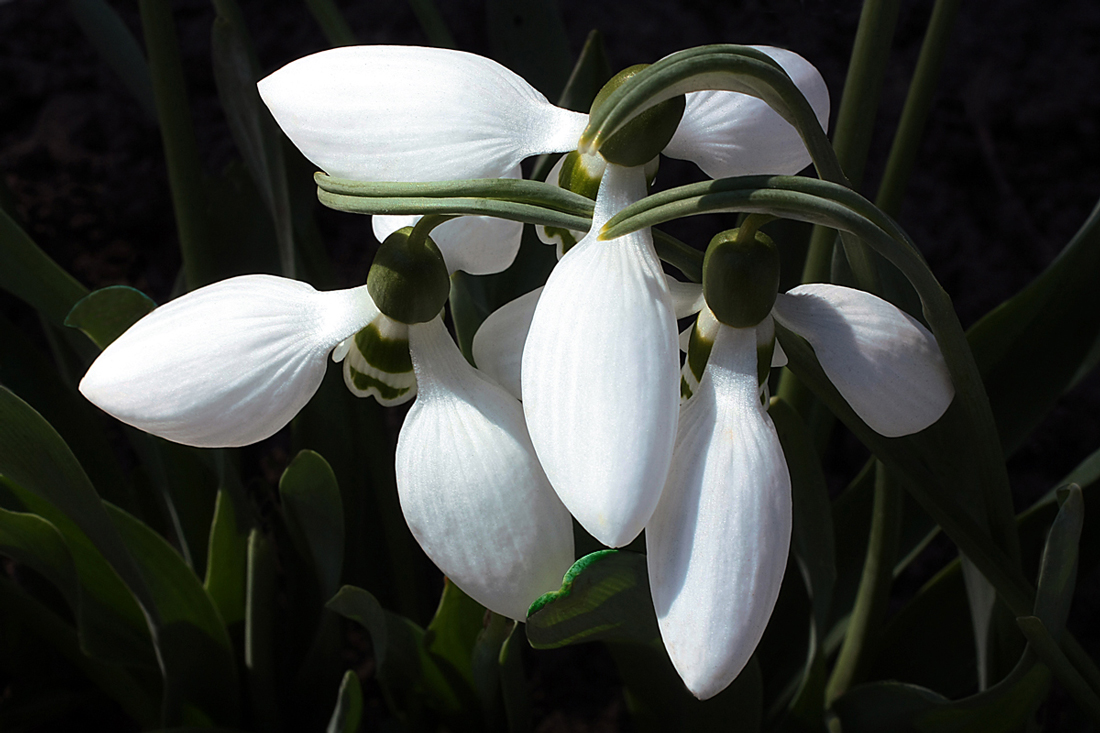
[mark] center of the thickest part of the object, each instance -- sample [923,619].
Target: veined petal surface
[479,245]
[470,486]
[405,113]
[884,362]
[498,343]
[717,544]
[228,364]
[601,373]
[732,134]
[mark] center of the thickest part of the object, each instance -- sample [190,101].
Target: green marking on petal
[386,352]
[367,383]
[378,363]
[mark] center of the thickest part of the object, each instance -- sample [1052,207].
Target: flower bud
[408,280]
[647,134]
[741,278]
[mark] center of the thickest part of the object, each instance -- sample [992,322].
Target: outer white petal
[479,245]
[717,544]
[228,364]
[498,343]
[733,134]
[470,487]
[600,374]
[403,113]
[885,363]
[687,298]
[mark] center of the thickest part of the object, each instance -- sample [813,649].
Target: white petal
[498,343]
[470,487]
[885,363]
[479,245]
[560,237]
[687,298]
[733,134]
[228,364]
[600,374]
[402,113]
[717,544]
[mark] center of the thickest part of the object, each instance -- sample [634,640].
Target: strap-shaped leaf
[29,274]
[412,677]
[1030,348]
[114,680]
[236,72]
[33,456]
[349,705]
[201,682]
[227,561]
[454,630]
[104,314]
[118,47]
[604,596]
[315,517]
[528,36]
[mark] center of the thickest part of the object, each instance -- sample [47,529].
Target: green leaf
[379,550]
[315,516]
[103,315]
[658,700]
[1058,567]
[812,531]
[528,36]
[116,682]
[28,373]
[29,274]
[604,596]
[485,665]
[181,152]
[259,631]
[895,706]
[236,71]
[1047,649]
[432,23]
[111,625]
[349,706]
[513,681]
[455,628]
[201,682]
[332,22]
[33,456]
[1030,348]
[227,562]
[117,46]
[409,674]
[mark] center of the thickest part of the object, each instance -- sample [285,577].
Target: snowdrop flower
[718,541]
[232,363]
[600,380]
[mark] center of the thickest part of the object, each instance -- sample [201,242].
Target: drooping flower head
[600,380]
[718,541]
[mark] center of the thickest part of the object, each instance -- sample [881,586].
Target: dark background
[1009,168]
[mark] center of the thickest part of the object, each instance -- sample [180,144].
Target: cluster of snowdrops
[581,403]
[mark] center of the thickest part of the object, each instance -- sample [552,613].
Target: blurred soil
[1009,168]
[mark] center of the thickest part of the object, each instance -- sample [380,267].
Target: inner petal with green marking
[377,362]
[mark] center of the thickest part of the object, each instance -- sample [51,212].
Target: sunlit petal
[498,343]
[733,134]
[228,364]
[717,544]
[403,113]
[885,363]
[470,487]
[600,374]
[479,245]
